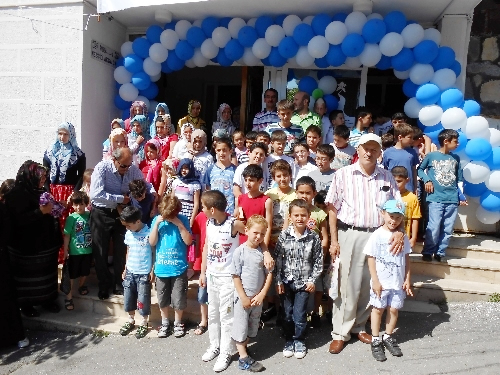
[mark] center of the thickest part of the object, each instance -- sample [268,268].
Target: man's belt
[344,226]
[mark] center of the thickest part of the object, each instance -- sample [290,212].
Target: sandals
[83,290]
[127,328]
[141,332]
[68,304]
[200,330]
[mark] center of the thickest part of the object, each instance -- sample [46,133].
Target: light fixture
[163,16]
[363,6]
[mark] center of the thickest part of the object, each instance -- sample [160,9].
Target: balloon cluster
[322,88]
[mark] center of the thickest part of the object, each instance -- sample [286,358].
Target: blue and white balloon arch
[429,72]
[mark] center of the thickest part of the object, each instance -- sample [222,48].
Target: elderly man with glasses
[109,190]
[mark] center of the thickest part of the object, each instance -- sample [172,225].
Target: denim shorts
[202,295]
[137,293]
[389,297]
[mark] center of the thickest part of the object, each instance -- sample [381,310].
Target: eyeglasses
[123,166]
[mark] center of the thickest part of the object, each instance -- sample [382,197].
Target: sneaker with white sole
[300,349]
[222,362]
[164,330]
[179,330]
[23,343]
[288,349]
[210,354]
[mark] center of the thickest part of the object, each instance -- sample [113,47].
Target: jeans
[295,308]
[137,293]
[439,228]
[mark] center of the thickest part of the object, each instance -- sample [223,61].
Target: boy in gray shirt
[251,281]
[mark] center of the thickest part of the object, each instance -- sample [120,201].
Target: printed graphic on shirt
[168,257]
[280,209]
[311,223]
[83,237]
[444,171]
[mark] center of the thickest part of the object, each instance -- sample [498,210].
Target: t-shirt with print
[343,156]
[294,133]
[248,264]
[139,255]
[240,181]
[407,157]
[269,160]
[323,180]
[221,245]
[412,210]
[390,268]
[78,228]
[281,202]
[201,164]
[171,251]
[221,179]
[316,218]
[183,191]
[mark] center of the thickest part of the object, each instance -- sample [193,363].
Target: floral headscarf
[29,176]
[143,121]
[114,133]
[141,104]
[184,127]
[198,133]
[156,144]
[63,155]
[119,121]
[221,124]
[152,127]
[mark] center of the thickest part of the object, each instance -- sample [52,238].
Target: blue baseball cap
[394,206]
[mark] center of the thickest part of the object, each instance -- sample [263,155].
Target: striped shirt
[358,197]
[139,258]
[294,134]
[263,119]
[108,186]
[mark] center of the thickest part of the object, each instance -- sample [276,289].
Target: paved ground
[465,338]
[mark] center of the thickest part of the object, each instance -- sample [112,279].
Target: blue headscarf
[63,155]
[152,127]
[190,178]
[143,121]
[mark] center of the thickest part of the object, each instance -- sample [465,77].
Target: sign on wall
[103,53]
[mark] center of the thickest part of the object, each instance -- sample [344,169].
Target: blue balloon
[208,25]
[332,103]
[261,25]
[120,103]
[341,16]
[153,33]
[493,160]
[321,63]
[456,67]
[287,47]
[234,50]
[302,34]
[140,46]
[174,62]
[222,58]
[195,36]
[433,128]
[133,63]
[224,22]
[425,51]
[290,75]
[150,92]
[353,45]
[120,62]
[324,73]
[478,149]
[428,94]
[247,36]
[384,63]
[165,68]
[409,88]
[374,30]
[433,135]
[471,108]
[170,26]
[276,59]
[278,20]
[141,80]
[308,84]
[320,22]
[335,56]
[117,86]
[474,190]
[403,60]
[462,141]
[451,98]
[125,114]
[395,21]
[444,59]
[184,50]
[490,201]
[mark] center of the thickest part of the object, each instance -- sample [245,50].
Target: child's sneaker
[250,364]
[378,350]
[222,362]
[300,350]
[210,354]
[179,330]
[141,332]
[23,343]
[392,346]
[288,349]
[127,328]
[164,330]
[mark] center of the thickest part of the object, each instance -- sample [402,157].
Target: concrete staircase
[469,272]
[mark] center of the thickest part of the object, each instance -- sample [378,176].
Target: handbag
[65,280]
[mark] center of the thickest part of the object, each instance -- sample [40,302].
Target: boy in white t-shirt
[390,279]
[278,143]
[344,152]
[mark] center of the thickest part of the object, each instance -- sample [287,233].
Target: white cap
[365,138]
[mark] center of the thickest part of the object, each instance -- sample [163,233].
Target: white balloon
[197,23]
[209,49]
[477,127]
[190,63]
[311,103]
[391,44]
[327,84]
[308,20]
[454,118]
[150,67]
[371,55]
[158,53]
[318,46]
[464,159]
[249,59]
[335,32]
[430,115]
[181,28]
[145,100]
[235,26]
[412,108]
[421,73]
[128,92]
[261,49]
[412,35]
[304,59]
[155,78]
[355,22]
[126,49]
[476,172]
[432,34]
[289,24]
[374,16]
[353,62]
[487,217]
[122,75]
[402,75]
[274,34]
[221,36]
[444,79]
[252,21]
[169,39]
[493,181]
[152,106]
[199,60]
[494,137]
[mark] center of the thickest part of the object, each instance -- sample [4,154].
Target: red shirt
[251,206]
[199,232]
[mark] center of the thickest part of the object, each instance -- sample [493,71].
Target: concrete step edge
[471,287]
[473,263]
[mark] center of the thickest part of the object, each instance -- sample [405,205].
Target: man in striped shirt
[354,199]
[269,115]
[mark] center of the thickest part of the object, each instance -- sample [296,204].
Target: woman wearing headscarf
[224,120]
[66,163]
[137,108]
[117,139]
[181,148]
[199,154]
[165,136]
[187,188]
[117,123]
[138,137]
[161,110]
[34,241]
[193,117]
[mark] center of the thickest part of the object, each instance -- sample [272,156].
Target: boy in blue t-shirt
[138,271]
[441,173]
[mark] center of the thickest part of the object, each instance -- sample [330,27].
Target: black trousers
[105,225]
